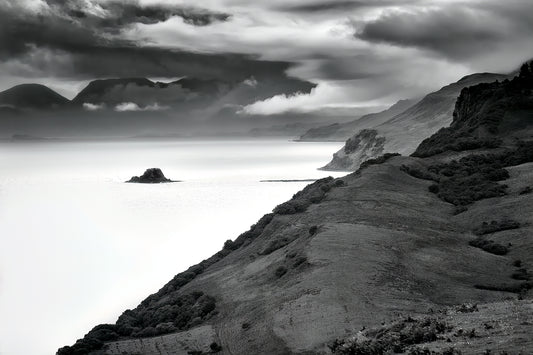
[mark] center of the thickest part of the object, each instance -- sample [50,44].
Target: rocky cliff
[406,255]
[403,132]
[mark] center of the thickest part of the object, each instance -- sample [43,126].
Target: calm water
[78,246]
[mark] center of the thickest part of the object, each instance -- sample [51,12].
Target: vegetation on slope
[478,115]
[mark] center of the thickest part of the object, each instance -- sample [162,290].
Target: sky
[358,52]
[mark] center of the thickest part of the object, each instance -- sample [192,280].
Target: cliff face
[366,144]
[398,237]
[403,132]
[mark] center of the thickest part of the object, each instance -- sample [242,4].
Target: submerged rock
[150,176]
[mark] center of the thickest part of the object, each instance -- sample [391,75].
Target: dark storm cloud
[121,13]
[457,31]
[70,42]
[341,5]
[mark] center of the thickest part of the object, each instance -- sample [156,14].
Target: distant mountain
[339,132]
[412,255]
[143,91]
[403,132]
[32,96]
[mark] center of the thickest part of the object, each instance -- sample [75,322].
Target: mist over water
[79,246]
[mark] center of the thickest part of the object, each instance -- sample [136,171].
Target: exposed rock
[150,176]
[363,146]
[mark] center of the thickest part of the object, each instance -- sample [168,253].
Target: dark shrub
[489,246]
[460,209]
[521,274]
[394,338]
[230,245]
[417,173]
[215,347]
[476,177]
[339,183]
[313,230]
[245,326]
[526,190]
[299,261]
[379,160]
[434,188]
[513,288]
[280,271]
[496,226]
[277,244]
[517,263]
[313,193]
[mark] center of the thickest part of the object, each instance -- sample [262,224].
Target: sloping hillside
[418,239]
[31,96]
[340,132]
[403,132]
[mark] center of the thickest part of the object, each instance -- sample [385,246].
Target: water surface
[79,246]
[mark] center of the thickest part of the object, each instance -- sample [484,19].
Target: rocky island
[150,176]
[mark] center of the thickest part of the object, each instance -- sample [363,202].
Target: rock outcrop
[383,249]
[150,176]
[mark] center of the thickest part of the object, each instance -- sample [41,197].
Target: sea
[78,246]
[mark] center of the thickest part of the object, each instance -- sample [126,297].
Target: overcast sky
[360,52]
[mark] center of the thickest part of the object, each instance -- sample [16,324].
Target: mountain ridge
[403,132]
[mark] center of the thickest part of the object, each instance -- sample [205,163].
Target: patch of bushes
[277,244]
[417,173]
[496,226]
[475,177]
[215,348]
[313,193]
[180,312]
[395,338]
[521,274]
[512,288]
[467,308]
[489,246]
[299,261]
[379,160]
[280,271]
[313,230]
[460,144]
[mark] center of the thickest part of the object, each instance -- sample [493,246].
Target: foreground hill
[403,132]
[391,258]
[32,96]
[340,132]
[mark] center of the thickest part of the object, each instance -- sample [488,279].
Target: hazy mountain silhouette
[32,96]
